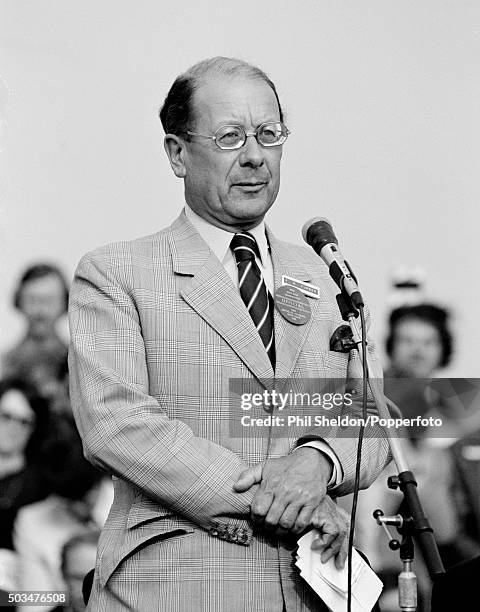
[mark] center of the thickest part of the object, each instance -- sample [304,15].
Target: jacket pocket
[147,522]
[145,510]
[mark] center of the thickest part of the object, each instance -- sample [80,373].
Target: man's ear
[175,149]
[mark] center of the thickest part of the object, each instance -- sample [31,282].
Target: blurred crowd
[444,460]
[53,503]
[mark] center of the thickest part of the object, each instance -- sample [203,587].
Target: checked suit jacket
[158,329]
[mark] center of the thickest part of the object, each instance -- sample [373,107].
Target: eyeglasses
[10,418]
[270,134]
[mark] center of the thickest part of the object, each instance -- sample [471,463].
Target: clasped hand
[292,495]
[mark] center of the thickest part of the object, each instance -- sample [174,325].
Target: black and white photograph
[238,306]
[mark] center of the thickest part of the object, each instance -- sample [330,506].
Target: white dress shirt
[218,240]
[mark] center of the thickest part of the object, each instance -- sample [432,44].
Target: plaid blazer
[157,331]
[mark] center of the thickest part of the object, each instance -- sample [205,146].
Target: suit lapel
[289,338]
[212,294]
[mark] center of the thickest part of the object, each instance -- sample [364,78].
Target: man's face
[232,188]
[42,301]
[417,348]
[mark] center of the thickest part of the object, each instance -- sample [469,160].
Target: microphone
[319,234]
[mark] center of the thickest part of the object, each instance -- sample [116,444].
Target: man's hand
[290,490]
[333,524]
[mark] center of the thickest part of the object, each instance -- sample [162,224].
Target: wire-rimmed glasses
[269,134]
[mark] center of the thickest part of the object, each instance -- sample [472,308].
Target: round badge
[292,305]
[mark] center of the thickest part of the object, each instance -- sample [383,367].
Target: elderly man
[203,519]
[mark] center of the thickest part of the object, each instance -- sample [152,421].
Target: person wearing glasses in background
[23,426]
[203,520]
[24,423]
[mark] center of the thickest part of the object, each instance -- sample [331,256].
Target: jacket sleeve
[127,432]
[344,442]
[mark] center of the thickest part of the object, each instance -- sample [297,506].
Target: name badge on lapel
[292,305]
[306,288]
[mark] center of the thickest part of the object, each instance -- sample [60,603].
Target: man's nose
[252,154]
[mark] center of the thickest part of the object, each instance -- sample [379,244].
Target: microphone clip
[346,306]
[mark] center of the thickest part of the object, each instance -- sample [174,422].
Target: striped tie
[253,290]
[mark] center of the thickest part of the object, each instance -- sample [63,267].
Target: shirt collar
[219,239]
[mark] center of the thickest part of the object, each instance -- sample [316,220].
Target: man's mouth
[250,186]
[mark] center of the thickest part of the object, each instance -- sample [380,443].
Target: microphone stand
[411,520]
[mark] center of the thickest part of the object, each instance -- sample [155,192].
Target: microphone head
[318,225]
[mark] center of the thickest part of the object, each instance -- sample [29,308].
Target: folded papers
[331,584]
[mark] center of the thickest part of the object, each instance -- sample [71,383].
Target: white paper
[331,584]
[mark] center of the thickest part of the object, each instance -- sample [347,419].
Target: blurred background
[381,97]
[382,101]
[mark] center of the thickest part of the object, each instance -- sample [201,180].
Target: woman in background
[23,428]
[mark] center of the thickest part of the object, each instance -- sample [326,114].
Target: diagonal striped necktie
[253,290]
